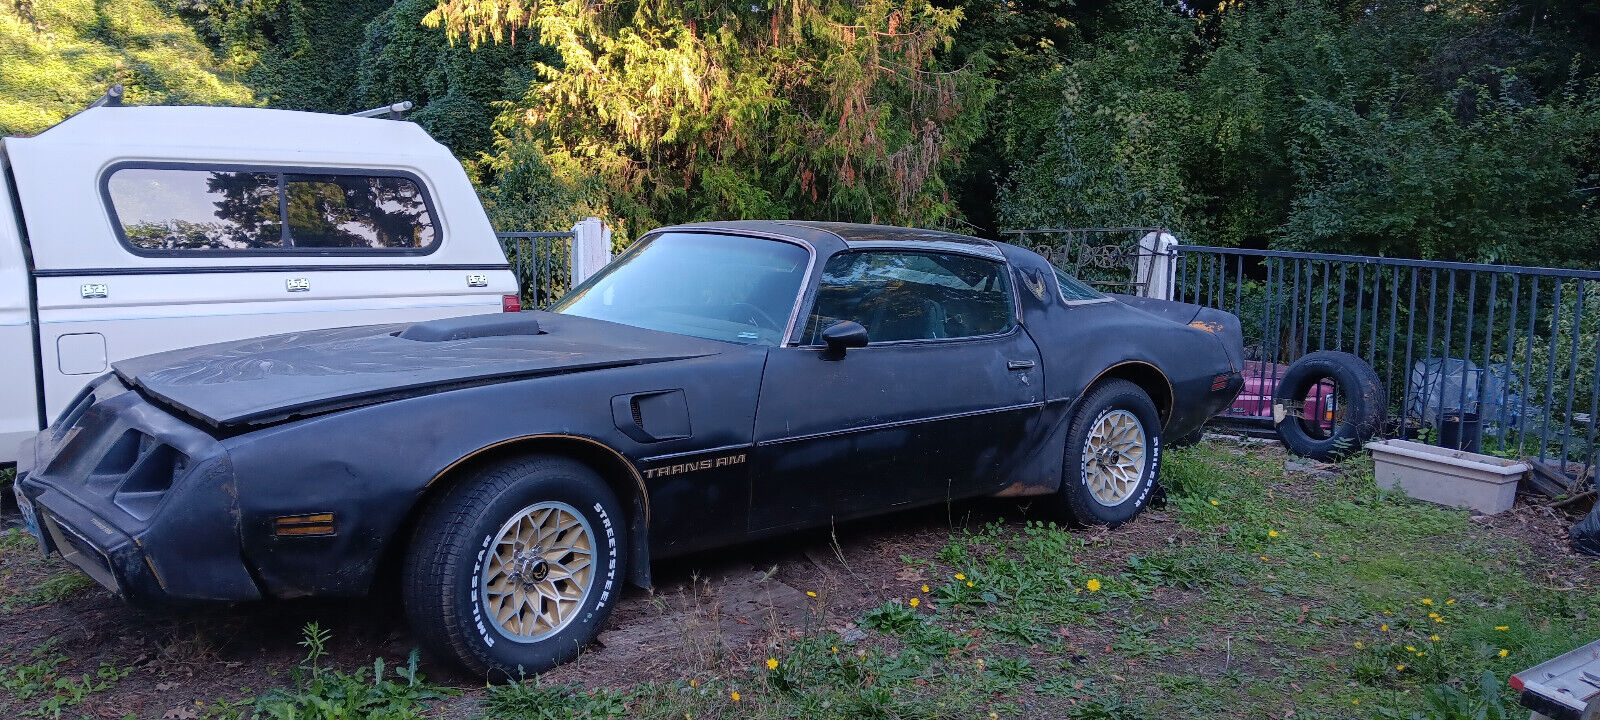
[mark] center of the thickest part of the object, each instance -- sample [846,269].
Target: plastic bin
[1449,477]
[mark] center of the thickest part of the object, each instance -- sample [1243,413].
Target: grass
[1255,593]
[1324,596]
[46,691]
[30,578]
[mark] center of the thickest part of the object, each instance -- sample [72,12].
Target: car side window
[902,295]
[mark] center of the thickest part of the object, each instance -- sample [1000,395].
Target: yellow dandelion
[1410,649]
[1451,601]
[1386,612]
[772,663]
[1384,627]
[1401,667]
[1355,702]
[836,648]
[1420,653]
[1438,620]
[1272,533]
[916,601]
[1504,652]
[1427,601]
[959,576]
[1434,638]
[969,583]
[994,716]
[1263,558]
[924,588]
[811,593]
[1213,502]
[1502,628]
[1360,645]
[1433,615]
[734,695]
[1093,585]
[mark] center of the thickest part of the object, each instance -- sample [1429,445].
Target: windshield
[719,287]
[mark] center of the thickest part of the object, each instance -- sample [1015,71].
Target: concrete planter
[1445,476]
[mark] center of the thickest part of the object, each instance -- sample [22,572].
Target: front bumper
[123,490]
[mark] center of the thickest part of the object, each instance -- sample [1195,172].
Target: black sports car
[717,382]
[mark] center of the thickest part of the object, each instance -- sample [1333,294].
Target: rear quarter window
[1075,291]
[167,210]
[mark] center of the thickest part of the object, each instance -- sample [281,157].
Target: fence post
[1157,251]
[591,248]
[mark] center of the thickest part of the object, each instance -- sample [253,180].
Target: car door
[935,407]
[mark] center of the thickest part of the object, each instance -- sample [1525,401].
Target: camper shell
[126,231]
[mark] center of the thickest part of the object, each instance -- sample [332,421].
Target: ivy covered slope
[58,56]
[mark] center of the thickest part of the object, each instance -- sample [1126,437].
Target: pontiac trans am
[717,382]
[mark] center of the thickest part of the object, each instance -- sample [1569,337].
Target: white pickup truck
[130,230]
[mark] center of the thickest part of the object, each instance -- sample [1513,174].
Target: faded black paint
[362,423]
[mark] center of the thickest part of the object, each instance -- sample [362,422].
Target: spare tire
[1327,405]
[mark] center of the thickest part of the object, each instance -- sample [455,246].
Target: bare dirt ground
[730,604]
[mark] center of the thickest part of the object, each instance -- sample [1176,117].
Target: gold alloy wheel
[1113,457]
[539,571]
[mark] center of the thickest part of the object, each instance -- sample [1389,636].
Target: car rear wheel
[1113,456]
[513,570]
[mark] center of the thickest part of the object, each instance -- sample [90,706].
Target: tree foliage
[695,110]
[456,89]
[1404,129]
[1458,129]
[56,57]
[297,54]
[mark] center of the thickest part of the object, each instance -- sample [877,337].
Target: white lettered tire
[1113,456]
[513,570]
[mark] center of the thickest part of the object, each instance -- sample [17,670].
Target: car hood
[261,381]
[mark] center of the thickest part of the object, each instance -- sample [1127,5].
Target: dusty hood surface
[270,379]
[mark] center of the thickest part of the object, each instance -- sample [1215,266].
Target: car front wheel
[1113,456]
[513,570]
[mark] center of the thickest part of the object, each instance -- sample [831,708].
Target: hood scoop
[472,326]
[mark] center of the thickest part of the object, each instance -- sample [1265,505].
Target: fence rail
[1499,358]
[1500,352]
[542,262]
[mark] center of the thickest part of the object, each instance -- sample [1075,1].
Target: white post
[1157,253]
[591,248]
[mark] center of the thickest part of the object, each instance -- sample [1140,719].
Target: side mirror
[843,335]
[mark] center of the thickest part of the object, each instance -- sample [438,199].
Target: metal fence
[1111,258]
[542,262]
[1466,352]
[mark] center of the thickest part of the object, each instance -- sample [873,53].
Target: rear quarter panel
[1080,342]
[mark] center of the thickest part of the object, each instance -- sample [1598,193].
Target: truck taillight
[511,303]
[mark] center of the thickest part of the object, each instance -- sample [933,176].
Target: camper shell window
[171,209]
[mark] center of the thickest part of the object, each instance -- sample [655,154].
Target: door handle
[1019,365]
